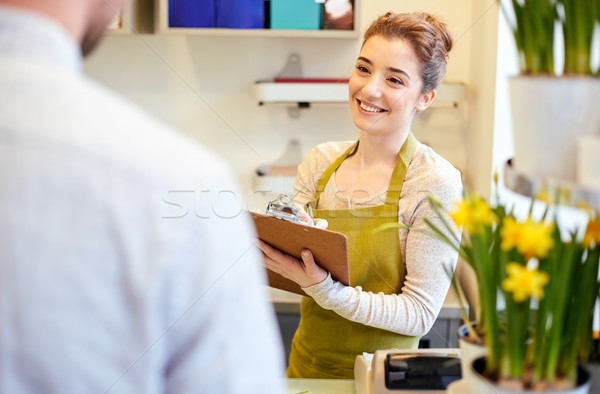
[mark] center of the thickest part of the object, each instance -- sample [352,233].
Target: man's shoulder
[87,123]
[125,133]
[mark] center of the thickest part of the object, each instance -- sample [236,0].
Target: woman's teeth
[370,109]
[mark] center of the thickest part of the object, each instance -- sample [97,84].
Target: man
[125,267]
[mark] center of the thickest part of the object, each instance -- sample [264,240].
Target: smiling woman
[399,278]
[385,88]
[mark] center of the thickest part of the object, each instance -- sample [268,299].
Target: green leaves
[534,24]
[533,31]
[577,18]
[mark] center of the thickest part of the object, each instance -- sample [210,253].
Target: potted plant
[547,283]
[553,99]
[593,363]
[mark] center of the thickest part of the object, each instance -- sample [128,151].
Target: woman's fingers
[275,258]
[321,223]
[307,257]
[314,273]
[274,254]
[304,216]
[305,272]
[266,248]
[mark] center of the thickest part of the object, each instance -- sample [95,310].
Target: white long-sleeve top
[428,260]
[123,268]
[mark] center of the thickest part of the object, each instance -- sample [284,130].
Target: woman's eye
[362,69]
[396,81]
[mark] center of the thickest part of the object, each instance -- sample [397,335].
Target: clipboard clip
[284,208]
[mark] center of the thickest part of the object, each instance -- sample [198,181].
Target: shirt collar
[37,38]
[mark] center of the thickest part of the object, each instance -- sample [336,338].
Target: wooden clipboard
[330,249]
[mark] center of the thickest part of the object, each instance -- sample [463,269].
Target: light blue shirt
[126,263]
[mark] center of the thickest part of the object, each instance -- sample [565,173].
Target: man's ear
[425,100]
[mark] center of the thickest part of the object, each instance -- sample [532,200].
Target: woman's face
[385,86]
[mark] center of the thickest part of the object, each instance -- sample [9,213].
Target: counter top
[327,386]
[320,386]
[366,369]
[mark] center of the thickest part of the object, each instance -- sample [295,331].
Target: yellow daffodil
[473,214]
[509,234]
[524,283]
[530,238]
[592,233]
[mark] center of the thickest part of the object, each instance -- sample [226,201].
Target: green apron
[326,344]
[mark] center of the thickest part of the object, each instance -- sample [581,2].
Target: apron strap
[393,194]
[404,157]
[331,169]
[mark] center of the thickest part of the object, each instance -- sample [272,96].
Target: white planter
[549,116]
[469,351]
[480,385]
[594,370]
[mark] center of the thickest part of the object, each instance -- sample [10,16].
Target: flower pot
[469,351]
[482,385]
[549,116]
[594,371]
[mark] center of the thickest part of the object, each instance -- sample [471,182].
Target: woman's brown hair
[428,36]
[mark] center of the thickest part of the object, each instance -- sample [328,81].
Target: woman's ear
[425,100]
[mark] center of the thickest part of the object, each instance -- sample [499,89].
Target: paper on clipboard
[330,249]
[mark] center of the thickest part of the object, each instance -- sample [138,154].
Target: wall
[203,86]
[483,76]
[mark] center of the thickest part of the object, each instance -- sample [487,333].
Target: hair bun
[441,29]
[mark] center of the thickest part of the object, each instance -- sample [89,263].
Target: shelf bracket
[294,111]
[293,67]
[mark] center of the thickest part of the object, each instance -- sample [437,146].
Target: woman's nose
[372,87]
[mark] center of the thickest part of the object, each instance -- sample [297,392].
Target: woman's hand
[306,218]
[305,272]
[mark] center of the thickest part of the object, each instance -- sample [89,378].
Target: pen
[308,210]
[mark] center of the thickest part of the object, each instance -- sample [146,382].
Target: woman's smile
[370,108]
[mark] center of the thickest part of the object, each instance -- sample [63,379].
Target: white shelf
[270,92]
[162,23]
[558,191]
[279,33]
